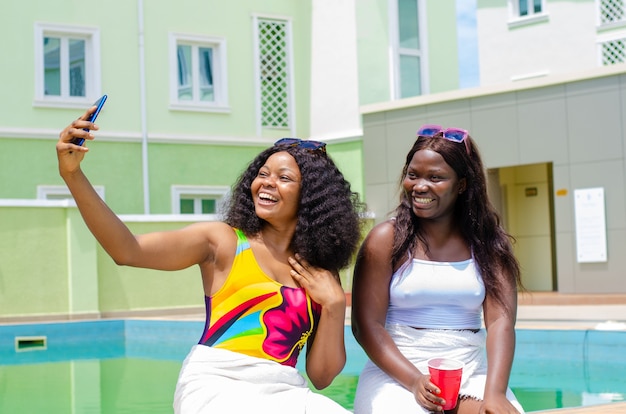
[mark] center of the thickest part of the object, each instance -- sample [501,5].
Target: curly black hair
[328,230]
[479,221]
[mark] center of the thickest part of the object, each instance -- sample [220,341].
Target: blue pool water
[131,366]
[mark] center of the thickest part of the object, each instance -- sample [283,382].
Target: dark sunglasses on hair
[451,134]
[302,143]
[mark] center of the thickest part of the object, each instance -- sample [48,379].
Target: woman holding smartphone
[269,272]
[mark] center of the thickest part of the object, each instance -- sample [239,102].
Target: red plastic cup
[446,373]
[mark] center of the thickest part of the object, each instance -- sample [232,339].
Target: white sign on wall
[590,225]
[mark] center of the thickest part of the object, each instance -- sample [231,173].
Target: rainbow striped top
[255,315]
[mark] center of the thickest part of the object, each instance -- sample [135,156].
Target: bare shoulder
[220,239]
[379,242]
[381,233]
[215,232]
[211,227]
[373,269]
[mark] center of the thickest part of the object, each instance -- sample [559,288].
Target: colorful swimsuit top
[255,315]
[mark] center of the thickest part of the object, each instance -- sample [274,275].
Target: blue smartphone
[92,118]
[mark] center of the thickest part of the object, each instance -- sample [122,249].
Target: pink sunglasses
[451,134]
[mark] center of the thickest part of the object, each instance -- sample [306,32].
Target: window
[198,205]
[527,12]
[199,199]
[67,65]
[273,68]
[525,8]
[61,192]
[529,7]
[198,73]
[408,57]
[612,11]
[613,51]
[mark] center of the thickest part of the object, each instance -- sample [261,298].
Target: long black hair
[328,229]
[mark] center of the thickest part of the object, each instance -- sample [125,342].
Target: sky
[468,44]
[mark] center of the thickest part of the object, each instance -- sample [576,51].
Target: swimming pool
[131,366]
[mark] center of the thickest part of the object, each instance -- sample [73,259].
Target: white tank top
[436,295]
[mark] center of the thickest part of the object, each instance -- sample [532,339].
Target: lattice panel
[614,52]
[274,74]
[612,11]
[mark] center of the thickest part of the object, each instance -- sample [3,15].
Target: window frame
[218,193]
[290,78]
[220,78]
[43,191]
[611,24]
[609,38]
[397,52]
[91,35]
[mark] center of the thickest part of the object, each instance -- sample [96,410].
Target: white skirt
[378,393]
[214,380]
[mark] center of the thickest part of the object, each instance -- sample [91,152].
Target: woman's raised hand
[69,154]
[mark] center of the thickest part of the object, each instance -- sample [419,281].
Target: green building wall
[33,261]
[50,265]
[374,37]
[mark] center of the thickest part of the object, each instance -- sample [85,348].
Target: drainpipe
[144,122]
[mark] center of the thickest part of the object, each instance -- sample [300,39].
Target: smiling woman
[426,279]
[269,272]
[434,187]
[276,189]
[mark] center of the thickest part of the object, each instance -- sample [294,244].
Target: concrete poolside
[549,310]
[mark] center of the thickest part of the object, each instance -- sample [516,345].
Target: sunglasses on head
[451,134]
[302,143]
